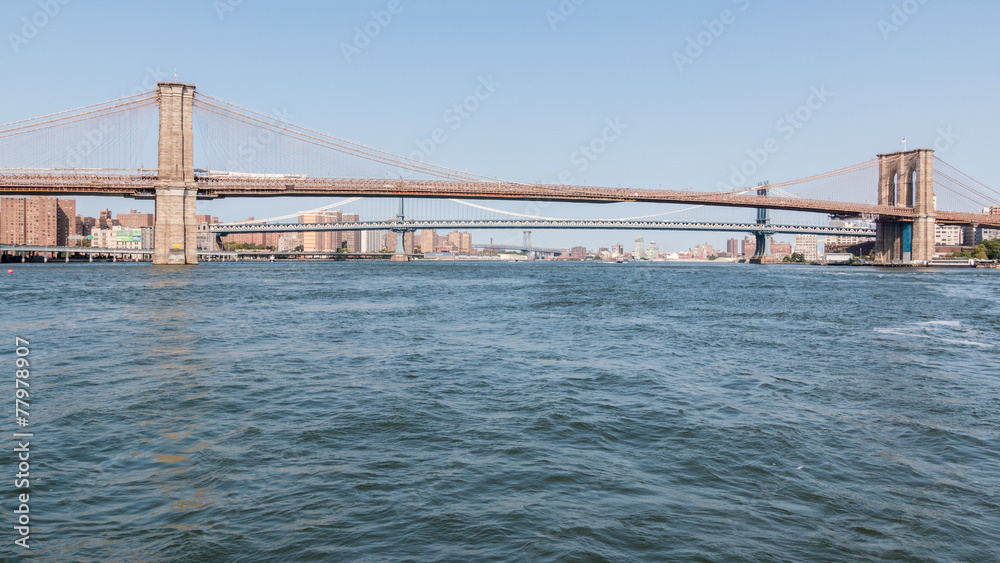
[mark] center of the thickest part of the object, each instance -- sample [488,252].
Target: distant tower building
[84,225]
[320,241]
[371,241]
[733,247]
[652,253]
[104,221]
[135,219]
[351,240]
[640,248]
[807,246]
[428,240]
[65,220]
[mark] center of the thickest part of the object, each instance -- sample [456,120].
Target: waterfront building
[289,242]
[808,247]
[350,240]
[321,241]
[652,253]
[843,241]
[948,235]
[733,247]
[269,240]
[640,248]
[578,253]
[119,237]
[207,240]
[780,249]
[702,252]
[976,235]
[428,240]
[37,220]
[371,241]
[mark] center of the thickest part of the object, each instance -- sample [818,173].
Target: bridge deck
[142,186]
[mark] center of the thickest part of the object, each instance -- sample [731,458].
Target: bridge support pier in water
[400,255]
[762,252]
[906,179]
[175,238]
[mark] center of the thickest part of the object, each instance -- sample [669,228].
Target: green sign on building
[128,235]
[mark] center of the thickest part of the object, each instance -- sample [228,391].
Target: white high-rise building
[948,235]
[640,248]
[807,246]
[652,253]
[371,241]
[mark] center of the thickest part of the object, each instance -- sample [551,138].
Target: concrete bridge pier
[906,179]
[175,238]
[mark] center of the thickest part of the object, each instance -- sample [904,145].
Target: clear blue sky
[560,79]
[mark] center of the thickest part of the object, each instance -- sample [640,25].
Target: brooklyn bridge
[97,150]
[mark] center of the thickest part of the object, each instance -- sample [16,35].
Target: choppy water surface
[543,412]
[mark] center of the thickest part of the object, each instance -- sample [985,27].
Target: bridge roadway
[608,224]
[140,184]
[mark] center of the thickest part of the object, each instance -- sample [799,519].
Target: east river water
[486,411]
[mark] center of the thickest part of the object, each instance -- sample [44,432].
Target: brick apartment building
[37,220]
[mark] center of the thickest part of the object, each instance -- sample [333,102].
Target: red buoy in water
[10,271]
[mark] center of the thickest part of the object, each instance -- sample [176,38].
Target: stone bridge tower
[175,239]
[906,179]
